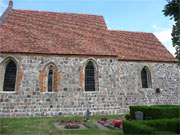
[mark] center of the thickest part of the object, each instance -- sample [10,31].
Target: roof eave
[62,54]
[146,60]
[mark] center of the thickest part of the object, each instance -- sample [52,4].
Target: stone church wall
[118,86]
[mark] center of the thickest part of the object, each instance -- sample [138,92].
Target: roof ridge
[130,31]
[56,12]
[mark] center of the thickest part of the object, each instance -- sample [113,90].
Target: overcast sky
[131,15]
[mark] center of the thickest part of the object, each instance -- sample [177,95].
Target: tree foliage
[172,9]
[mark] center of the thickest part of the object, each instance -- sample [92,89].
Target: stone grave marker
[139,115]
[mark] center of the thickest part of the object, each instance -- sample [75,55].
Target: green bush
[127,116]
[171,125]
[151,126]
[156,111]
[165,105]
[133,127]
[178,128]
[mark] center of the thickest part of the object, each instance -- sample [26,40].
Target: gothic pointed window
[10,76]
[50,80]
[146,78]
[90,77]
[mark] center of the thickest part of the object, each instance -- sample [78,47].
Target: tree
[172,9]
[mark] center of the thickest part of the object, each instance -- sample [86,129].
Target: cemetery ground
[146,120]
[47,126]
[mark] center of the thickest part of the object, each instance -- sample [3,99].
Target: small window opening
[158,90]
[50,81]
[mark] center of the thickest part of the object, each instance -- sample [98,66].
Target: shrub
[127,116]
[156,111]
[178,128]
[151,126]
[133,127]
[165,105]
[171,125]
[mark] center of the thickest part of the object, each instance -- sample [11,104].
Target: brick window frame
[19,74]
[82,74]
[43,78]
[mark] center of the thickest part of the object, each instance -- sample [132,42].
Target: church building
[65,63]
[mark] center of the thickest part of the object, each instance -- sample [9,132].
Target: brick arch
[82,73]
[19,72]
[43,76]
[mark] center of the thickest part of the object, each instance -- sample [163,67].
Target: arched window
[90,77]
[146,78]
[50,80]
[10,76]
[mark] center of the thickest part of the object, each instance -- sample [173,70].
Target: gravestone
[139,115]
[87,115]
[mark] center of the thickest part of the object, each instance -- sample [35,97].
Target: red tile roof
[40,32]
[138,46]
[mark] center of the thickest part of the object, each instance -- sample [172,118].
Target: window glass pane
[50,80]
[90,77]
[10,77]
[144,78]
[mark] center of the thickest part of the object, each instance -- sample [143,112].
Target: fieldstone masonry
[119,85]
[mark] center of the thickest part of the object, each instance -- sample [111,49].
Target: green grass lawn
[45,126]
